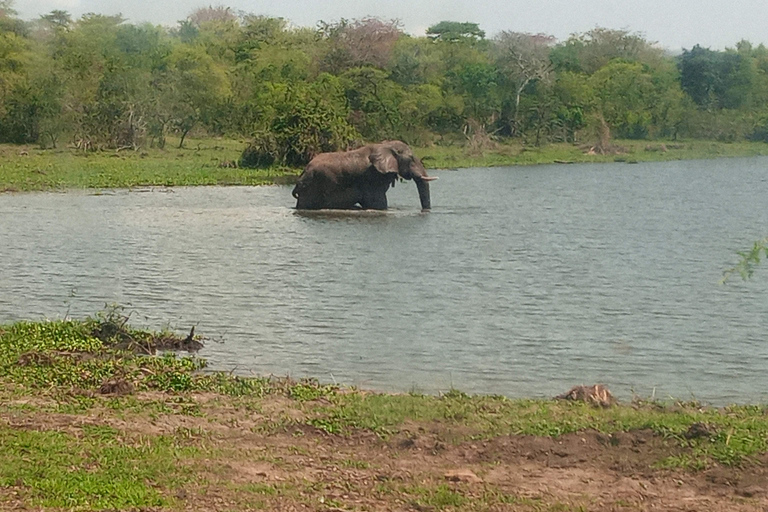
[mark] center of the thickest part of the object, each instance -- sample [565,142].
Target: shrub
[307,119]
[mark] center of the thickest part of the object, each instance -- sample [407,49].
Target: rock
[116,387]
[700,430]
[751,491]
[462,475]
[596,395]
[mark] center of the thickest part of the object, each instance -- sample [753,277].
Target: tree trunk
[183,136]
[518,94]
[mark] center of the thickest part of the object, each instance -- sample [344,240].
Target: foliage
[358,43]
[455,32]
[99,83]
[522,60]
[748,261]
[717,79]
[307,120]
[590,51]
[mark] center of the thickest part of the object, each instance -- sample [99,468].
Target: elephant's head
[395,157]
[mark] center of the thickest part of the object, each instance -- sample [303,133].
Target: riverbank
[90,419]
[214,162]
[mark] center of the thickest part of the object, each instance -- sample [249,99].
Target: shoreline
[214,162]
[92,418]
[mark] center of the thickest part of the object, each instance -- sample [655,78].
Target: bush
[307,119]
[721,125]
[263,151]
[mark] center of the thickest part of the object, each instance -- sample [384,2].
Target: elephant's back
[336,163]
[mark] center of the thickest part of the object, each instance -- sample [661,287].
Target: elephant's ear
[384,160]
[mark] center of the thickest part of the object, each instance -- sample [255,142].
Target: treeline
[99,82]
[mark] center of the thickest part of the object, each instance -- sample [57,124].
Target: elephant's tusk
[429,178]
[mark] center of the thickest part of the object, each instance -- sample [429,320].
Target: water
[522,281]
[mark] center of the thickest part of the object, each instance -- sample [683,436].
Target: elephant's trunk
[423,186]
[417,173]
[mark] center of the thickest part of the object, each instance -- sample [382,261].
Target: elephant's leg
[309,199]
[305,203]
[342,197]
[374,201]
[375,195]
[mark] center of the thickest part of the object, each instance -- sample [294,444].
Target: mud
[309,469]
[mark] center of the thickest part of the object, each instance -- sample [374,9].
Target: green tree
[306,119]
[574,97]
[625,95]
[595,48]
[456,32]
[193,87]
[13,58]
[416,60]
[477,83]
[374,103]
[522,59]
[715,79]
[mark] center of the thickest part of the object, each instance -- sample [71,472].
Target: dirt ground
[298,467]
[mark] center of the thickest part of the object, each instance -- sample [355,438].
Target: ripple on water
[520,281]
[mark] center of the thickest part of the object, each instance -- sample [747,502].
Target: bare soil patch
[267,457]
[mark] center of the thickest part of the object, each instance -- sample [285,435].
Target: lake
[521,281]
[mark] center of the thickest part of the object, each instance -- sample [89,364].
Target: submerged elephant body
[360,177]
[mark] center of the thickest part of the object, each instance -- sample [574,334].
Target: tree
[307,119]
[373,102]
[58,18]
[415,61]
[455,32]
[12,59]
[210,14]
[192,87]
[624,96]
[574,98]
[217,29]
[522,58]
[477,83]
[17,115]
[595,48]
[700,75]
[9,22]
[366,42]
[715,79]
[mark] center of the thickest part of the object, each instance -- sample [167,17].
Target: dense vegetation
[99,82]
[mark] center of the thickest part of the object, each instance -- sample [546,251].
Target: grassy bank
[629,151]
[201,162]
[90,419]
[213,162]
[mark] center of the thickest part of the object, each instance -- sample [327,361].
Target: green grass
[65,446]
[209,162]
[64,355]
[201,162]
[740,432]
[635,151]
[96,469]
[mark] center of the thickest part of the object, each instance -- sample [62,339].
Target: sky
[674,24]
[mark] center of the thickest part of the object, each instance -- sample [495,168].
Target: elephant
[345,179]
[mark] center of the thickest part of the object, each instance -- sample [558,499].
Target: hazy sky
[674,24]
